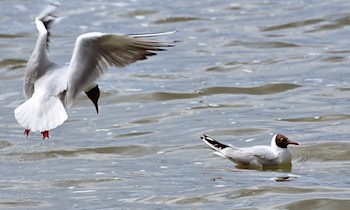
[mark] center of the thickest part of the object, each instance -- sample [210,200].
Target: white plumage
[50,88]
[277,154]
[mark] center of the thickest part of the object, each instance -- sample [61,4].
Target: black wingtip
[48,18]
[213,142]
[94,95]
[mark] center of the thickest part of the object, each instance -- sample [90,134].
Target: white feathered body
[256,156]
[50,89]
[45,109]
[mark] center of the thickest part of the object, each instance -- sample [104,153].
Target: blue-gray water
[242,71]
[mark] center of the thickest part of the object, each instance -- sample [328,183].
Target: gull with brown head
[275,155]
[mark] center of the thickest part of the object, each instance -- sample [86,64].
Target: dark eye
[282,139]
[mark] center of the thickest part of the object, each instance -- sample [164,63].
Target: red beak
[292,142]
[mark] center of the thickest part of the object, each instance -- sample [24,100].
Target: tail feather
[220,154]
[217,146]
[41,115]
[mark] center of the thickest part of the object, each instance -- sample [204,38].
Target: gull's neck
[283,154]
[274,146]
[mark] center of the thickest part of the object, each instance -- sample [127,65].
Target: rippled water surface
[242,71]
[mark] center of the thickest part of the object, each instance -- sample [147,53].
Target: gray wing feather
[263,153]
[246,156]
[38,63]
[95,52]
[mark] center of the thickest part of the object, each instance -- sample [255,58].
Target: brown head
[283,141]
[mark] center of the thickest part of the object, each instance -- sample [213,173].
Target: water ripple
[261,44]
[336,24]
[130,151]
[27,203]
[13,36]
[317,203]
[260,193]
[260,90]
[323,118]
[177,20]
[235,132]
[334,59]
[140,13]
[166,96]
[13,63]
[132,134]
[336,151]
[295,24]
[4,144]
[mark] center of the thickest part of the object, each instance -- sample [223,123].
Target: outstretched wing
[95,52]
[38,63]
[47,18]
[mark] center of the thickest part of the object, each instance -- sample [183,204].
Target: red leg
[45,134]
[26,132]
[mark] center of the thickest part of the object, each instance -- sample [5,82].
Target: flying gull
[50,89]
